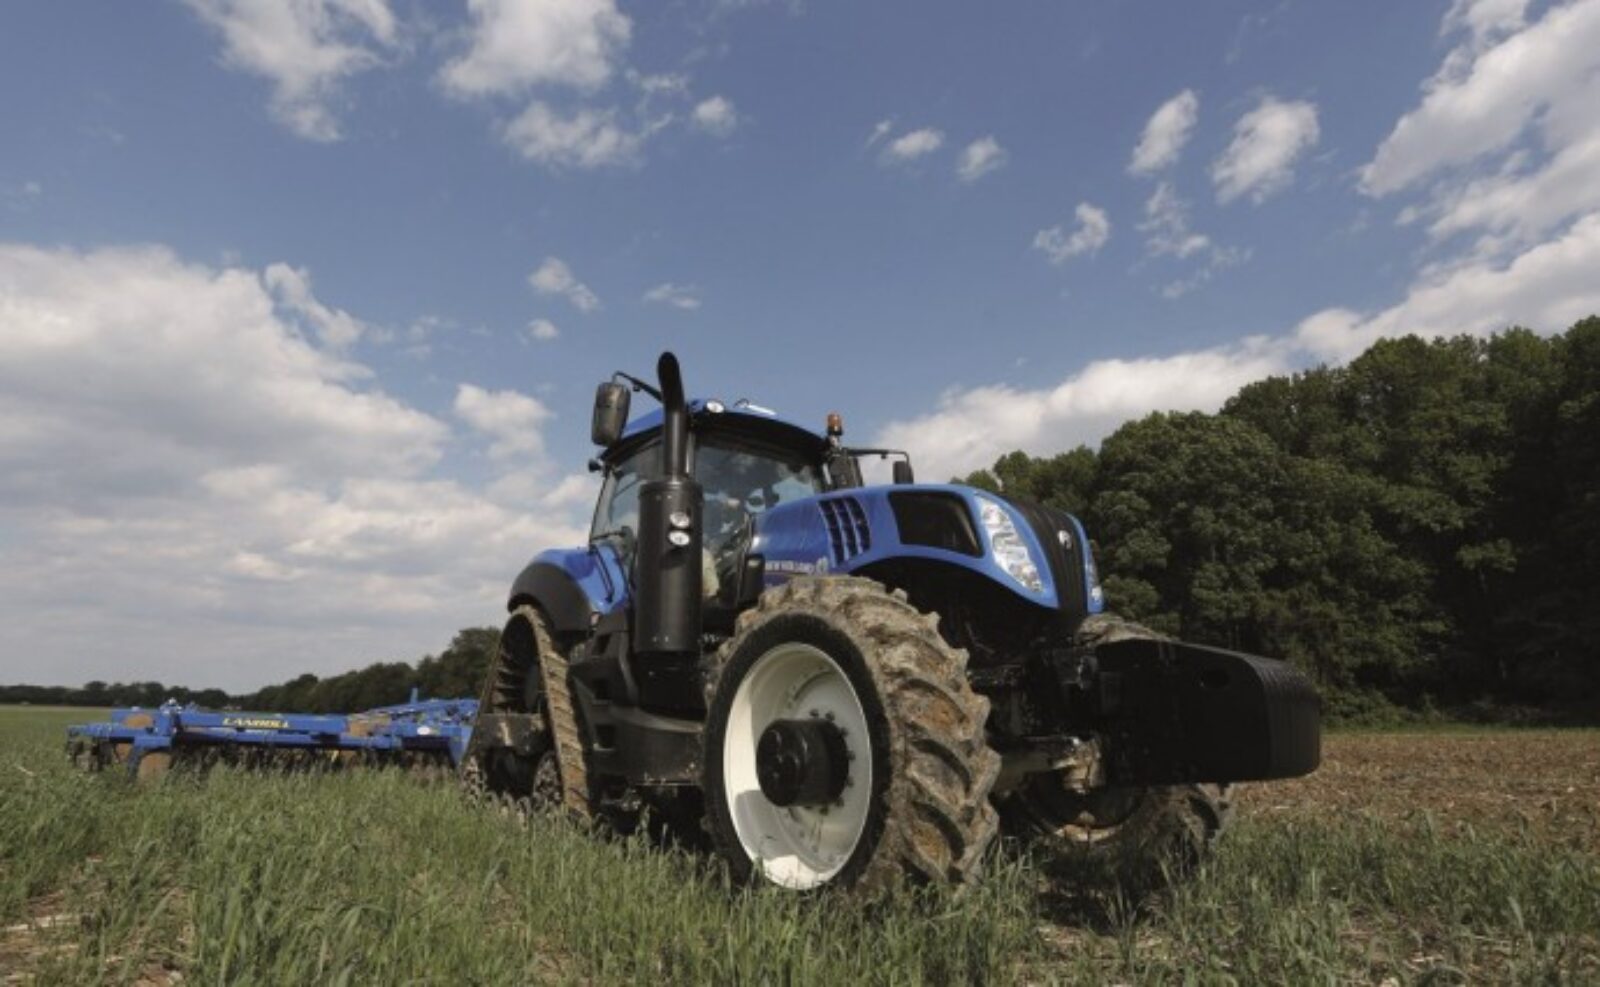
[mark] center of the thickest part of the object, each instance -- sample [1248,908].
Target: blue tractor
[843,685]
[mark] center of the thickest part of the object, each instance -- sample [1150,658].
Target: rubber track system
[938,820]
[506,691]
[564,729]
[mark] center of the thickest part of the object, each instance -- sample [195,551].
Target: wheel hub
[802,762]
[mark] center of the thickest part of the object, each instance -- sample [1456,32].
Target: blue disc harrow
[143,742]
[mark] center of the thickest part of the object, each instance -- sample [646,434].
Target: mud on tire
[929,817]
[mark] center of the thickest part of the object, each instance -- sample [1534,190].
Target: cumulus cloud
[973,427]
[543,330]
[306,50]
[518,44]
[195,488]
[511,419]
[1547,287]
[586,139]
[1505,140]
[979,158]
[1091,233]
[715,116]
[676,295]
[1165,134]
[1267,141]
[913,145]
[554,277]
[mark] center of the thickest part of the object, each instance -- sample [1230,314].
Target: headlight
[1008,547]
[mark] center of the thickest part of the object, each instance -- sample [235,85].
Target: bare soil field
[1543,782]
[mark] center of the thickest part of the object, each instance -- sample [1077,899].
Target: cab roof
[740,418]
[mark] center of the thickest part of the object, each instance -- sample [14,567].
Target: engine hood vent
[846,521]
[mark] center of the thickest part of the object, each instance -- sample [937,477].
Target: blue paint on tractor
[796,538]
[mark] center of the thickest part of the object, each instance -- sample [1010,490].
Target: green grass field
[368,876]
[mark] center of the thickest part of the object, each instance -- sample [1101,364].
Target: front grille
[846,522]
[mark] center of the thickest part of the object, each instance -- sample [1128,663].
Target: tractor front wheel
[844,746]
[1144,834]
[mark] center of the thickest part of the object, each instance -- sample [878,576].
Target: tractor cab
[746,460]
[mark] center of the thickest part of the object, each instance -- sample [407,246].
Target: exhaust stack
[668,569]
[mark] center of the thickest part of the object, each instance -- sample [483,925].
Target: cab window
[617,514]
[741,482]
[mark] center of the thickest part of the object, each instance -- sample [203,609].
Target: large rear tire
[914,801]
[1144,834]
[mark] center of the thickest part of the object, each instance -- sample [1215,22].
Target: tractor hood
[1038,553]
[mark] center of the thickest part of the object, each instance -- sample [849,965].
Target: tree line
[455,672]
[1418,527]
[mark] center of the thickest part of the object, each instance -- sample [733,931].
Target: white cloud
[543,330]
[1267,141]
[511,419]
[979,158]
[1546,287]
[1479,102]
[676,295]
[913,145]
[1165,134]
[587,139]
[880,130]
[306,49]
[715,116]
[518,44]
[554,277]
[1166,225]
[337,329]
[181,462]
[1092,232]
[973,427]
[1506,139]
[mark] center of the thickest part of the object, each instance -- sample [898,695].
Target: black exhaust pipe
[667,573]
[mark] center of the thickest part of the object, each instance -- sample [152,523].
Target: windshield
[739,483]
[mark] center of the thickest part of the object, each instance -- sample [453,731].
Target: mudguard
[572,586]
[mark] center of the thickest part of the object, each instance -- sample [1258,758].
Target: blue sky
[302,304]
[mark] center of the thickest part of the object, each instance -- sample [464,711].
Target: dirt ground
[1547,782]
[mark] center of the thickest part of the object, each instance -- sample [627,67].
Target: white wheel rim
[796,846]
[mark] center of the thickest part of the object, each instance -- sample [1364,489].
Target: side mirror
[610,413]
[902,472]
